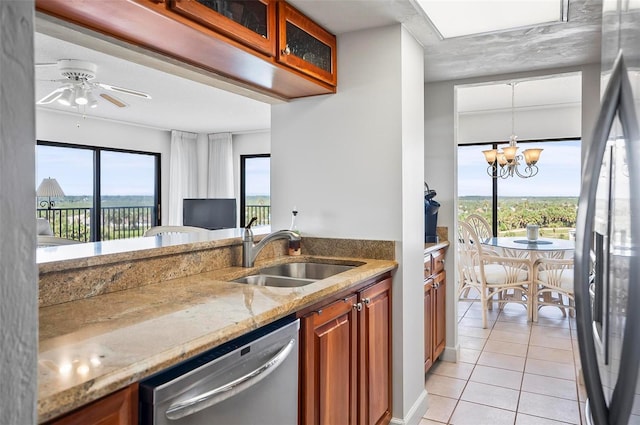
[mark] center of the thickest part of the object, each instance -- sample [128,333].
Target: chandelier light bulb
[508,158]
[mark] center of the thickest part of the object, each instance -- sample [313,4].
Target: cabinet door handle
[366,301]
[358,306]
[286,50]
[442,261]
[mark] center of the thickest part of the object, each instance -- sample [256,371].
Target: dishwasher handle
[223,392]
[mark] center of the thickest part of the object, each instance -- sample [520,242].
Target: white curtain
[183,173]
[220,171]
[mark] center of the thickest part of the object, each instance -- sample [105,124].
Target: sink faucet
[250,250]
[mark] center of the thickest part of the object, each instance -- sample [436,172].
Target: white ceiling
[178,103]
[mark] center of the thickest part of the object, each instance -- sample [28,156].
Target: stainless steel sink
[291,275]
[279,281]
[316,271]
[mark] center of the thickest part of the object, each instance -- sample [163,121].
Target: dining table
[521,247]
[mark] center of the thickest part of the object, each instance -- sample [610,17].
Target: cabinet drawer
[437,261]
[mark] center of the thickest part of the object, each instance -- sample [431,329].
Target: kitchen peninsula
[110,319]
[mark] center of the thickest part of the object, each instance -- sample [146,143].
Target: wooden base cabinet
[435,290]
[119,408]
[345,367]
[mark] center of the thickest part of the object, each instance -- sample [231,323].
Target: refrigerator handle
[584,242]
[623,394]
[618,97]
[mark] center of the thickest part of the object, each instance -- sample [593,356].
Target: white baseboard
[415,414]
[451,354]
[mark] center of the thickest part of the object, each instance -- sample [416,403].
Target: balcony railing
[118,222]
[261,212]
[115,222]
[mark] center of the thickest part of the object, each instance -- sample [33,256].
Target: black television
[209,213]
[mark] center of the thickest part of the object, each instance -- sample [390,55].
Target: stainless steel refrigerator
[607,259]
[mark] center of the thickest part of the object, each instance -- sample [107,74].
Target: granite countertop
[430,247]
[92,347]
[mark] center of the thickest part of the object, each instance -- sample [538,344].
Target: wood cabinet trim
[288,13]
[120,407]
[220,23]
[151,26]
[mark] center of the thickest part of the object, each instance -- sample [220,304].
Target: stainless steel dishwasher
[252,380]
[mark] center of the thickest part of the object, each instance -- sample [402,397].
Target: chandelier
[508,160]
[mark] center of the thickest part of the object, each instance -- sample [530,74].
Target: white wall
[69,128]
[442,130]
[18,273]
[352,164]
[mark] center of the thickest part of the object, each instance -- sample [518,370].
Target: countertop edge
[65,401]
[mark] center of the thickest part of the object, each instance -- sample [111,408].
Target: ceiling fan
[78,89]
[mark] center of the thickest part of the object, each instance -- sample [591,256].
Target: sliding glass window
[548,199]
[255,189]
[108,193]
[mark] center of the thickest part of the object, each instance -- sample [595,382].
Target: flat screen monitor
[210,214]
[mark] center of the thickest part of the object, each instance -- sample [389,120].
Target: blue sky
[122,173]
[127,174]
[258,171]
[559,172]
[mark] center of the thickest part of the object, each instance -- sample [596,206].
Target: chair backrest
[469,251]
[480,226]
[44,228]
[554,272]
[163,230]
[44,240]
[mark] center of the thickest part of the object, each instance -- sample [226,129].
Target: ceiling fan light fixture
[91,100]
[81,96]
[67,97]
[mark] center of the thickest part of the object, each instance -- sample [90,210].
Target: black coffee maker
[431,208]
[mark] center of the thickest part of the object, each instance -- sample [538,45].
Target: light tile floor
[514,372]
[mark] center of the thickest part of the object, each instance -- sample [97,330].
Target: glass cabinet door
[305,46]
[251,22]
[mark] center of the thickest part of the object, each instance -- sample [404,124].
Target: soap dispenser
[294,246]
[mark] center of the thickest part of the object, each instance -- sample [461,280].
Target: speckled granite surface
[94,345]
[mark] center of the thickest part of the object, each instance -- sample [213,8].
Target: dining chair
[497,278]
[552,284]
[164,230]
[480,225]
[482,228]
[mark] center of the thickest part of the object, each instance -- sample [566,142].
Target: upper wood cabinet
[251,22]
[305,46]
[222,37]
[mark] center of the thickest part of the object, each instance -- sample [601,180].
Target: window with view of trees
[109,193]
[549,199]
[255,189]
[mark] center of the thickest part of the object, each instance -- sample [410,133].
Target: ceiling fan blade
[51,97]
[113,100]
[123,90]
